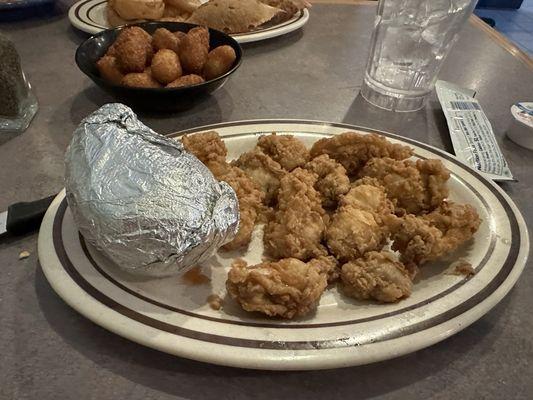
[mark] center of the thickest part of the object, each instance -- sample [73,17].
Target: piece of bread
[173,12]
[233,16]
[113,19]
[184,6]
[138,9]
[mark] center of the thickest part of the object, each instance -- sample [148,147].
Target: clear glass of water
[410,42]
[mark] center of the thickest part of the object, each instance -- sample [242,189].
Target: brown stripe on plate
[88,20]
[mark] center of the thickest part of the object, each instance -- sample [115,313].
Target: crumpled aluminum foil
[141,199]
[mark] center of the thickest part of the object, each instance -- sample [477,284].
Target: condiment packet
[472,136]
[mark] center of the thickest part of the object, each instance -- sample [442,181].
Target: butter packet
[472,136]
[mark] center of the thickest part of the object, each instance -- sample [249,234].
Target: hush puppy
[134,55]
[166,66]
[134,33]
[186,80]
[109,69]
[140,80]
[194,48]
[202,33]
[179,34]
[164,39]
[219,61]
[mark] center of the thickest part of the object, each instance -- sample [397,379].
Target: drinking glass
[410,41]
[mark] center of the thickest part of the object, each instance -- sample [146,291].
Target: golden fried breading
[360,224]
[130,33]
[202,32]
[376,276]
[297,186]
[139,80]
[295,233]
[109,69]
[194,49]
[298,226]
[368,197]
[166,66]
[148,71]
[264,171]
[247,219]
[287,288]
[329,266]
[353,149]
[211,150]
[287,150]
[134,55]
[459,221]
[205,146]
[247,191]
[219,61]
[426,238]
[353,232]
[416,186]
[332,179]
[164,39]
[250,198]
[435,177]
[186,80]
[180,35]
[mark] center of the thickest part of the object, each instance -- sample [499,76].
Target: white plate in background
[90,16]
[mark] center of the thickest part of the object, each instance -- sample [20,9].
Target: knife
[24,217]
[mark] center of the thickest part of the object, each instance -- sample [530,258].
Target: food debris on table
[214,301]
[24,254]
[463,268]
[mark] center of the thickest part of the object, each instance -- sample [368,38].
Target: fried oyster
[353,149]
[286,288]
[298,226]
[360,224]
[415,186]
[376,276]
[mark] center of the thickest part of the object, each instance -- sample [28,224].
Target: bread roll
[184,6]
[113,18]
[139,9]
[233,16]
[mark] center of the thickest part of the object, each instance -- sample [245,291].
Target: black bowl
[155,99]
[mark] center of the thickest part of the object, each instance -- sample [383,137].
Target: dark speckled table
[48,351]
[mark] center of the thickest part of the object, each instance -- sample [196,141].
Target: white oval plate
[90,16]
[173,317]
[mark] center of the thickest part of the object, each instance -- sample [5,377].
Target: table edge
[502,41]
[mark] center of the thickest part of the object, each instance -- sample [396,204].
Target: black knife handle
[25,217]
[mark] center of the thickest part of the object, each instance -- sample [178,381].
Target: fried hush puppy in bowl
[171,64]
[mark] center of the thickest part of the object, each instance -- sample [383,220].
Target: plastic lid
[523,112]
